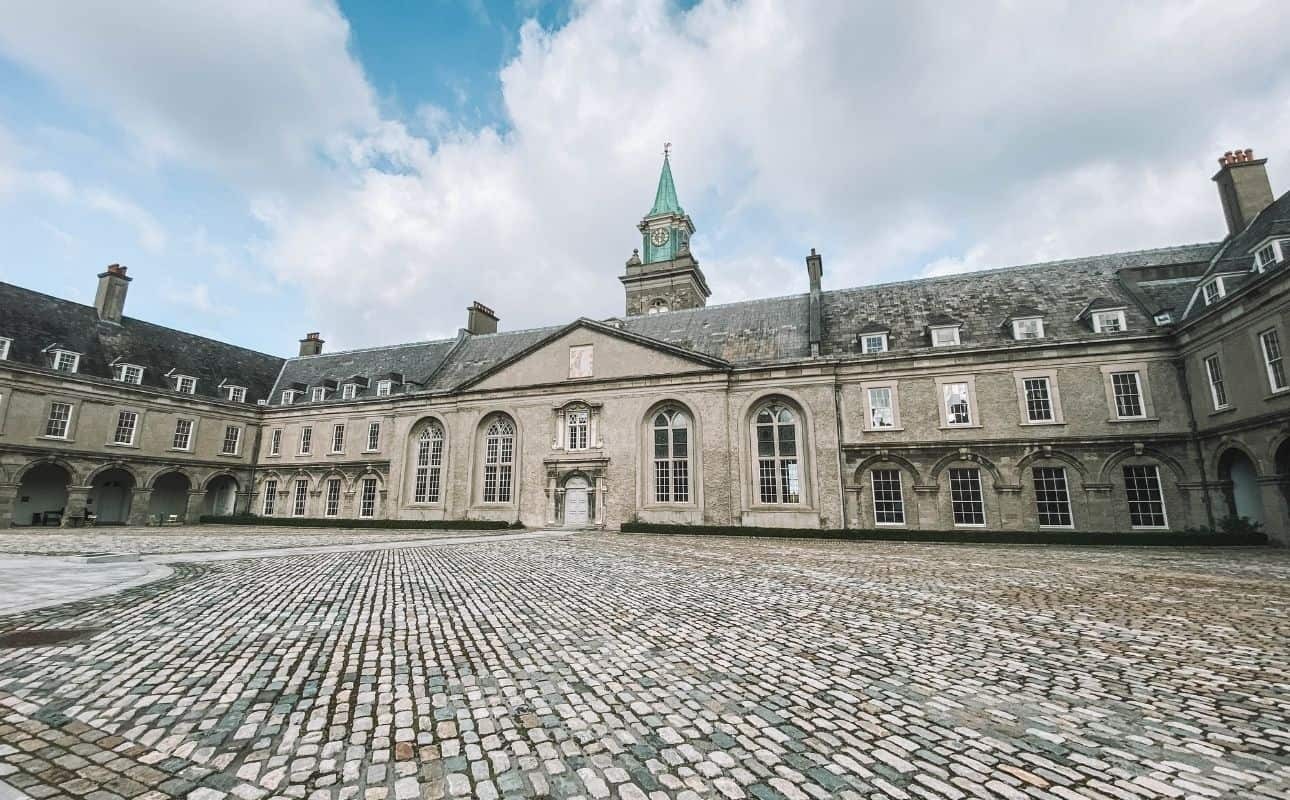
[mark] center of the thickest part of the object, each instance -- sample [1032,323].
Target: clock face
[659,237]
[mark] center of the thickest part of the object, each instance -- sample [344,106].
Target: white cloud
[897,139]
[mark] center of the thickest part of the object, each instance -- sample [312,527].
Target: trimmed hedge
[337,522]
[1137,538]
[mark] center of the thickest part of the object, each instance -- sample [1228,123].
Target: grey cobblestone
[638,667]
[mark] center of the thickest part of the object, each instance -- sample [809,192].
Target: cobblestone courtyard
[630,667]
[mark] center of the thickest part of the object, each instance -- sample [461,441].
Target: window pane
[957,409]
[1128,398]
[888,503]
[881,414]
[1146,502]
[765,440]
[966,498]
[1038,404]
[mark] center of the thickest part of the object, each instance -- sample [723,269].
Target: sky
[368,169]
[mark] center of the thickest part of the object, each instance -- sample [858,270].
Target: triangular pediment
[592,351]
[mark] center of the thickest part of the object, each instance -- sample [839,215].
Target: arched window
[499,461]
[778,468]
[429,465]
[671,456]
[658,306]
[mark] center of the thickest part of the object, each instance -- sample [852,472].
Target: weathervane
[667,148]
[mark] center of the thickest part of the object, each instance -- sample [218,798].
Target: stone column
[929,508]
[140,499]
[196,497]
[8,500]
[76,497]
[1010,516]
[1100,516]
[602,498]
[349,499]
[550,498]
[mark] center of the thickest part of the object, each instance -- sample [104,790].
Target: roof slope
[416,362]
[34,321]
[1237,256]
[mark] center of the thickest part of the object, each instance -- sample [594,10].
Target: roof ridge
[397,345]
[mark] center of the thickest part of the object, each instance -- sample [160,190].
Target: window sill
[1278,393]
[229,455]
[304,455]
[972,426]
[377,450]
[274,455]
[1148,527]
[48,438]
[1224,410]
[1133,419]
[893,429]
[891,524]
[1047,423]
[124,445]
[969,525]
[336,453]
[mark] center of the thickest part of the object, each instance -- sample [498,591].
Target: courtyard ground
[601,666]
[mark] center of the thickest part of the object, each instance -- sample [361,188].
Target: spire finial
[667,149]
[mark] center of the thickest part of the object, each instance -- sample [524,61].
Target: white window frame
[185,384]
[187,435]
[66,421]
[132,429]
[305,446]
[500,440]
[866,393]
[780,477]
[384,388]
[236,394]
[955,338]
[331,499]
[1054,396]
[275,442]
[1064,502]
[270,497]
[980,490]
[427,475]
[1163,318]
[348,391]
[974,409]
[1100,319]
[867,338]
[75,360]
[235,439]
[318,394]
[288,397]
[337,438]
[1270,250]
[1144,390]
[1217,382]
[373,437]
[5,344]
[577,428]
[367,498]
[1017,330]
[1160,488]
[1115,396]
[121,373]
[1219,291]
[300,497]
[1274,362]
[671,459]
[900,497]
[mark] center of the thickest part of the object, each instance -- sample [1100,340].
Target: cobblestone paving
[55,541]
[659,667]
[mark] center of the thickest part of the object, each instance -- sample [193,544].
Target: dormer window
[873,343]
[945,335]
[236,394]
[1164,318]
[318,394]
[383,388]
[1213,291]
[4,348]
[288,397]
[128,373]
[1109,321]
[65,360]
[1028,328]
[185,384]
[348,391]
[1265,256]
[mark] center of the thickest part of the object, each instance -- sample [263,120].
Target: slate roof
[416,362]
[34,321]
[1236,257]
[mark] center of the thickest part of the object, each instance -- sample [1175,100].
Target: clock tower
[668,278]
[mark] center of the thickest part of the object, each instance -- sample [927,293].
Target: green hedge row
[1137,538]
[335,522]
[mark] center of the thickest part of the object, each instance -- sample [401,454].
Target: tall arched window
[671,456]
[778,468]
[429,465]
[499,461]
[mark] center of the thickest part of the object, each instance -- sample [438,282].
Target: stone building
[1136,390]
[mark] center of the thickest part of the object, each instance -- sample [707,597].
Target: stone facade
[831,409]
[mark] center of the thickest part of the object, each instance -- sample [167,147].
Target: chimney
[480,319]
[109,301]
[814,271]
[1244,188]
[311,345]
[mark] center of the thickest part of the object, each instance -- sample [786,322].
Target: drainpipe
[837,417]
[1180,367]
[255,455]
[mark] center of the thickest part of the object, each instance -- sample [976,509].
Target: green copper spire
[665,201]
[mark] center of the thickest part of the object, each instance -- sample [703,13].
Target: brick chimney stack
[311,345]
[815,272]
[1243,186]
[109,300]
[480,319]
